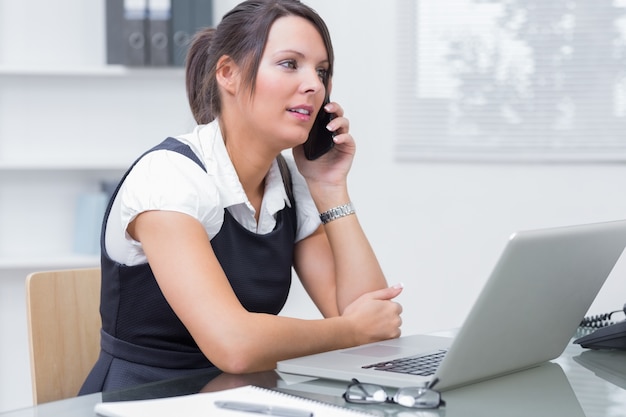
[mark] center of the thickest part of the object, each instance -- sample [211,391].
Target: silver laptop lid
[529,309]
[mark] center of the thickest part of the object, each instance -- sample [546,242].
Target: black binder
[159,22]
[187,17]
[115,32]
[135,31]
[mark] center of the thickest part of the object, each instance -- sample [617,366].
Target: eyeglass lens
[365,393]
[416,397]
[412,397]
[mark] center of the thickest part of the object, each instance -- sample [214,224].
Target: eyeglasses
[411,397]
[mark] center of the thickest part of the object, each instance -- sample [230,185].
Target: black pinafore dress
[142,339]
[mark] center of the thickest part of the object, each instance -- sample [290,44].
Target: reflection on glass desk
[609,365]
[578,383]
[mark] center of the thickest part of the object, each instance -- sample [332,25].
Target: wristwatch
[337,213]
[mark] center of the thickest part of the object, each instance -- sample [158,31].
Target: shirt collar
[220,166]
[275,194]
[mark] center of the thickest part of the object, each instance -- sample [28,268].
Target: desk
[579,383]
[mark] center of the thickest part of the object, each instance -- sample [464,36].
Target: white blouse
[167,180]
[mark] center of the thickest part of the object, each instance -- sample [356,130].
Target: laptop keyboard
[422,364]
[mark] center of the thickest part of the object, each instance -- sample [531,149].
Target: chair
[63,330]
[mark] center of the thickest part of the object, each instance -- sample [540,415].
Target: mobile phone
[320,139]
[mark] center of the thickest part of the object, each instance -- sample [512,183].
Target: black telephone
[609,335]
[320,139]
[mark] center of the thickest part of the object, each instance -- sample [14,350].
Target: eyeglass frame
[392,399]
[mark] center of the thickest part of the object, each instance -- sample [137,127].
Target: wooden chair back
[63,310]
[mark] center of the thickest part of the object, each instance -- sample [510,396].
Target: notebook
[527,312]
[204,404]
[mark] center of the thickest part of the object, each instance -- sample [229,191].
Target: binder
[187,17]
[182,21]
[159,22]
[202,14]
[108,187]
[135,18]
[115,32]
[90,208]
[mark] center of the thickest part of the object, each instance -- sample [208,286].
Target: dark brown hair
[241,35]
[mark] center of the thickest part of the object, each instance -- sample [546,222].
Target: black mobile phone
[320,139]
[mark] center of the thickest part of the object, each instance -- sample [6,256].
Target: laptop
[526,314]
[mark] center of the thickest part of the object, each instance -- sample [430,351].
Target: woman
[200,238]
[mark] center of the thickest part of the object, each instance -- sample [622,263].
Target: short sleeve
[167,180]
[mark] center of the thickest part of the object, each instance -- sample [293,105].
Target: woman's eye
[323,74]
[291,64]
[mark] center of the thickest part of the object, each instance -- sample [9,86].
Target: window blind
[511,80]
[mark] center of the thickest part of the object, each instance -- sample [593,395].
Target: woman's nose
[312,82]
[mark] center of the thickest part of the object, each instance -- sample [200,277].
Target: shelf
[90,71]
[63,166]
[56,262]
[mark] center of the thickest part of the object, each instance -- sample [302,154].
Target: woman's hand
[375,316]
[331,169]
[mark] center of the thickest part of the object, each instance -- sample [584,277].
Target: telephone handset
[609,335]
[320,139]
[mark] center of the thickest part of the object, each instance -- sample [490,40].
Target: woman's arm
[337,267]
[235,340]
[339,254]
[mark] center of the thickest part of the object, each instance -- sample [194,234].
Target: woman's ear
[227,75]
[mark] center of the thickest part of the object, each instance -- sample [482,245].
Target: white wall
[436,227]
[439,227]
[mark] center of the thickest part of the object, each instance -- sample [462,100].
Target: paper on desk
[202,404]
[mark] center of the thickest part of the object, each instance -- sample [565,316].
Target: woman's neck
[251,167]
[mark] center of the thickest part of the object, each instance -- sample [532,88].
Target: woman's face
[290,83]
